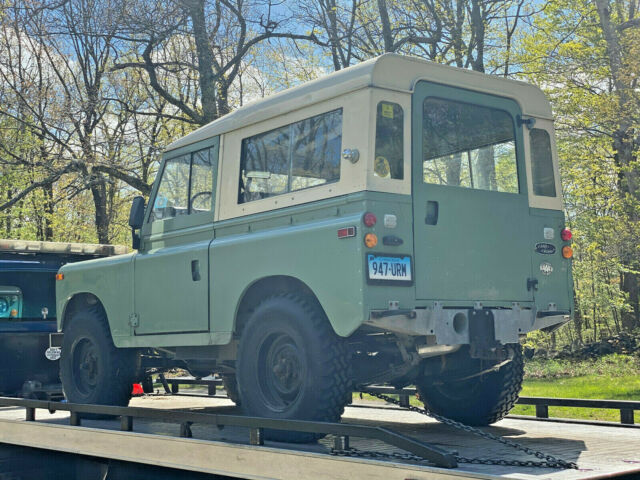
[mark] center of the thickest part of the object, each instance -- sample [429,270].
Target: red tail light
[369,219]
[566,234]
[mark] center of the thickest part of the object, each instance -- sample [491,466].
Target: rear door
[470,197]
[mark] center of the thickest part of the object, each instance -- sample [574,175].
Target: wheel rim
[281,371]
[85,366]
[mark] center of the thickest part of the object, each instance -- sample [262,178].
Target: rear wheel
[292,365]
[92,369]
[480,400]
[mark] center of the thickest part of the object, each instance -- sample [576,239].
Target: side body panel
[300,242]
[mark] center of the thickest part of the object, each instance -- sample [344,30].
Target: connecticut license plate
[388,268]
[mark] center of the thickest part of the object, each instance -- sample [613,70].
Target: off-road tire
[293,333]
[230,385]
[479,401]
[112,370]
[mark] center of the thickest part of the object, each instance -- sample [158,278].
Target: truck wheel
[230,385]
[291,365]
[92,369]
[481,400]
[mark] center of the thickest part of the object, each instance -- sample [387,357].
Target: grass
[612,377]
[624,387]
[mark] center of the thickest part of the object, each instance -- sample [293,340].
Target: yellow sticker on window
[387,110]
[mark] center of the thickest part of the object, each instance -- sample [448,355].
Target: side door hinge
[134,320]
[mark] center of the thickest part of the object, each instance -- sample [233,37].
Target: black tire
[230,385]
[92,369]
[479,401]
[147,384]
[291,365]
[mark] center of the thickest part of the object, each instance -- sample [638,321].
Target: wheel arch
[267,287]
[77,302]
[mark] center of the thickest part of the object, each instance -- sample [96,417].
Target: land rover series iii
[398,222]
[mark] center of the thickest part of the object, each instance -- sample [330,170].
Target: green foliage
[566,55]
[610,366]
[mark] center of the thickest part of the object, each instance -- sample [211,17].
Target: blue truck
[28,367]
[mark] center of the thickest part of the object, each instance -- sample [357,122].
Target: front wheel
[479,400]
[92,369]
[291,365]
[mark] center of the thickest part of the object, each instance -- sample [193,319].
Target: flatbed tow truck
[197,435]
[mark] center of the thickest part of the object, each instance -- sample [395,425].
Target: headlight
[4,306]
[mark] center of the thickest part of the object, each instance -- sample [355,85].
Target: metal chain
[548,461]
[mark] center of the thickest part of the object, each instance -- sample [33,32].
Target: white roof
[391,71]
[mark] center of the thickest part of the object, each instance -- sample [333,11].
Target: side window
[186,186]
[389,156]
[172,198]
[543,180]
[468,146]
[298,156]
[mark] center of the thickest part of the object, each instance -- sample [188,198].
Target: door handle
[195,270]
[432,213]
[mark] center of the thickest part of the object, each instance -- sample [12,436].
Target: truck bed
[600,451]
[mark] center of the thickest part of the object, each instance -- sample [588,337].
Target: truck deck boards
[600,451]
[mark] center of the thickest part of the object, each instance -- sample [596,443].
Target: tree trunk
[99,192]
[206,77]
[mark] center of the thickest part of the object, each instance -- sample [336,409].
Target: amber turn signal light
[567,251]
[59,276]
[370,240]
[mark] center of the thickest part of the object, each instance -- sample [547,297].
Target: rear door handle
[432,213]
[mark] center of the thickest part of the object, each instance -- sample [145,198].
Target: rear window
[543,179]
[469,146]
[290,158]
[389,157]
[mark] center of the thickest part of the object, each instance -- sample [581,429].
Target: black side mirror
[136,219]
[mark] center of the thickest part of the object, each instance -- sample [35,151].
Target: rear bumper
[452,326]
[22,358]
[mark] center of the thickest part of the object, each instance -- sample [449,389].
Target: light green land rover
[398,222]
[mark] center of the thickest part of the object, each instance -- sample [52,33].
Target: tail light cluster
[370,239]
[566,235]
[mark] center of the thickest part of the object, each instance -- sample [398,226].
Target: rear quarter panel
[300,242]
[557,287]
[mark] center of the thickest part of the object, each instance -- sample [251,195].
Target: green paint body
[185,285]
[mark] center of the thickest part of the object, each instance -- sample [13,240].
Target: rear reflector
[347,232]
